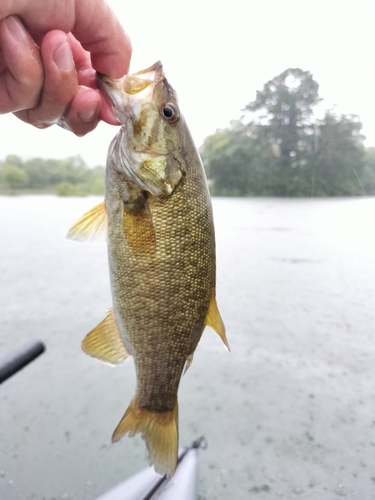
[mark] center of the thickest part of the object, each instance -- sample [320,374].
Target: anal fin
[104,342]
[213,319]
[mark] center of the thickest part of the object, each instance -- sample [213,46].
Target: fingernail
[87,114]
[63,57]
[16,28]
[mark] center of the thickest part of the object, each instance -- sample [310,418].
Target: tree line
[279,148]
[69,177]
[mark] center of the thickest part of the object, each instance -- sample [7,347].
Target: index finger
[100,33]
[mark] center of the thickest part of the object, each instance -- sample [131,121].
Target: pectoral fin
[104,342]
[213,319]
[91,227]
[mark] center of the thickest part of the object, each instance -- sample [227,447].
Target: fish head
[148,149]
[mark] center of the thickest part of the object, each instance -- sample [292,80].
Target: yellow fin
[104,342]
[159,430]
[188,362]
[91,227]
[213,319]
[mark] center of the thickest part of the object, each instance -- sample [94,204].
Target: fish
[157,220]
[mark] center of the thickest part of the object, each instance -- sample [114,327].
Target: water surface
[289,412]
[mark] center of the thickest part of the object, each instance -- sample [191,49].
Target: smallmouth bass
[161,247]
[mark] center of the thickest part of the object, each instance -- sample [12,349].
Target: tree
[14,160]
[367,176]
[50,175]
[285,106]
[339,160]
[226,157]
[279,148]
[15,177]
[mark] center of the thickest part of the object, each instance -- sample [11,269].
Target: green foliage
[285,106]
[367,177]
[279,148]
[340,155]
[70,177]
[13,176]
[66,189]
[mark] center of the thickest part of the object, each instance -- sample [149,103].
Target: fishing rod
[18,359]
[201,442]
[146,484]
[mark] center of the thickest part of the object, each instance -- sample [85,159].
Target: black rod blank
[15,361]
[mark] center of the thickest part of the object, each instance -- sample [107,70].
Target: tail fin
[159,430]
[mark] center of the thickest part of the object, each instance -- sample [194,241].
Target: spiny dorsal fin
[213,319]
[104,342]
[91,227]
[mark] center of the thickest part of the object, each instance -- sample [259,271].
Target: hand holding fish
[49,54]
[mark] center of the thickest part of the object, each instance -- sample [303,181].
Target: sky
[217,55]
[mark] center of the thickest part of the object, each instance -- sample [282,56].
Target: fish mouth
[155,71]
[130,84]
[119,91]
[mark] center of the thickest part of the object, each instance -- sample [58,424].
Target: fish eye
[170,112]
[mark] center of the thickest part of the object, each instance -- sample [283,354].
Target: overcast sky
[216,55]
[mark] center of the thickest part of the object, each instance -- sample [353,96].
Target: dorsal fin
[104,342]
[91,227]
[213,319]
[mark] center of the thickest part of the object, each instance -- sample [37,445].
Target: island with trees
[279,148]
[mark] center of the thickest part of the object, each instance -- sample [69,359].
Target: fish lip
[157,68]
[154,67]
[103,79]
[105,84]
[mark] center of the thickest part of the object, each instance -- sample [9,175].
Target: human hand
[54,81]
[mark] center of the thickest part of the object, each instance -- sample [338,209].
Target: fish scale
[179,304]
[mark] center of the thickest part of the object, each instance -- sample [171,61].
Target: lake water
[290,412]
